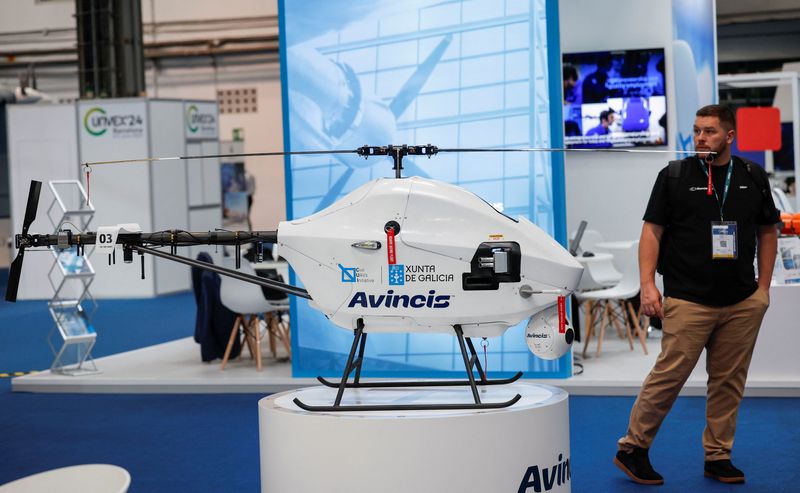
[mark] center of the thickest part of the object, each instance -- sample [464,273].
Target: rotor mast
[397,153]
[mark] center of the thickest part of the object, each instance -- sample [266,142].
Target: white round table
[510,449]
[85,478]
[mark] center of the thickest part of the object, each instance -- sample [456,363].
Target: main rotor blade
[13,276]
[570,149]
[212,156]
[367,151]
[33,205]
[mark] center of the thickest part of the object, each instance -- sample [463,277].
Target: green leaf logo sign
[191,119]
[95,125]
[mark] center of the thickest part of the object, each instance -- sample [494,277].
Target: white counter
[775,356]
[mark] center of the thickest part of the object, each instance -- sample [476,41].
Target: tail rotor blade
[15,272]
[13,276]
[33,205]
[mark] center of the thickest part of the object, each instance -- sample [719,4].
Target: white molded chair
[599,272]
[782,202]
[275,253]
[589,241]
[248,302]
[605,299]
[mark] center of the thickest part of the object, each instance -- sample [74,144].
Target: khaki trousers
[728,334]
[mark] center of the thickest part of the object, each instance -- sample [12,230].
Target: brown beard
[721,151]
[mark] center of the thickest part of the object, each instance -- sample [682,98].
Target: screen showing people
[614,99]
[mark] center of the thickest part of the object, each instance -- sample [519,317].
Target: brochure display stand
[787,265]
[72,305]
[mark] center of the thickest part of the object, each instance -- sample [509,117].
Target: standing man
[706,218]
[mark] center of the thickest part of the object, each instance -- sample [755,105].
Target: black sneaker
[637,466]
[723,470]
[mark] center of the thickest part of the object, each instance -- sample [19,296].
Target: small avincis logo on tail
[543,479]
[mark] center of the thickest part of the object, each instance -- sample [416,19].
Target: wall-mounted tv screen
[614,99]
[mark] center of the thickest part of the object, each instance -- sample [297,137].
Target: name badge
[723,240]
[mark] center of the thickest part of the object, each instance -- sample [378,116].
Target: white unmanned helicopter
[394,255]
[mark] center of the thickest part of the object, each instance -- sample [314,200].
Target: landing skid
[355,363]
[418,383]
[408,407]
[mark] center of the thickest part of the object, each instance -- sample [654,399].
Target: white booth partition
[50,143]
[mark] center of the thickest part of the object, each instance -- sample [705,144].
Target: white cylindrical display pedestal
[522,448]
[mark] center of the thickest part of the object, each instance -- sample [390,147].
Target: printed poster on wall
[787,265]
[694,52]
[234,196]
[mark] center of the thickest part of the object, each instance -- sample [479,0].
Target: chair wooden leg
[589,322]
[286,337]
[601,334]
[254,322]
[638,329]
[251,340]
[234,333]
[248,337]
[644,320]
[615,320]
[270,319]
[629,322]
[623,311]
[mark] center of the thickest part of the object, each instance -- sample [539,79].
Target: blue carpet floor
[209,443]
[122,325]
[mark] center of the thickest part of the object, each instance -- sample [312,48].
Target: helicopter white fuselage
[457,261]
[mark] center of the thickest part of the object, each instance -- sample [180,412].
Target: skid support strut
[355,361]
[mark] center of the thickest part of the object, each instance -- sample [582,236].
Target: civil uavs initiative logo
[98,122]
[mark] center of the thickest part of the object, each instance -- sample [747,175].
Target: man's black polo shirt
[689,272]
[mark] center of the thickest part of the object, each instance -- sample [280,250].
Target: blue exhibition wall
[453,74]
[695,62]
